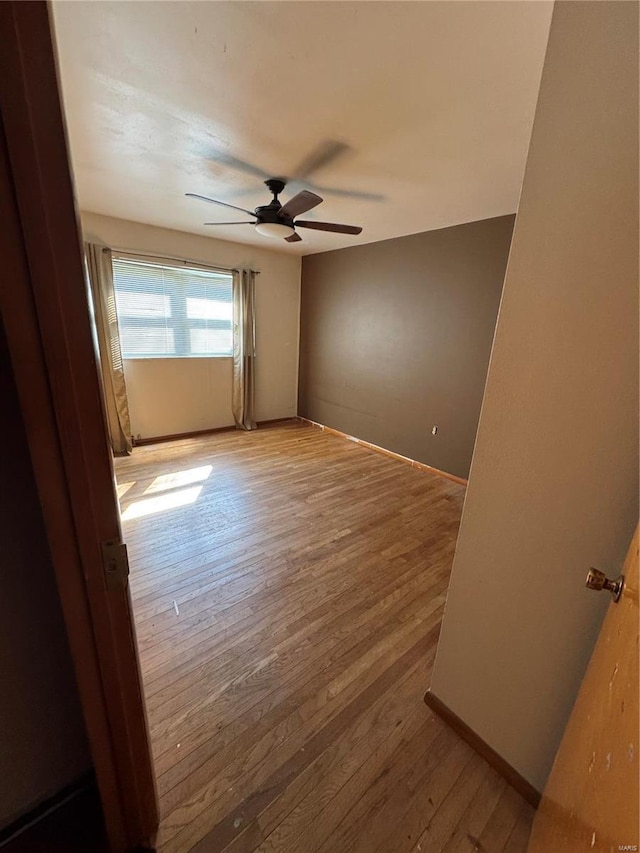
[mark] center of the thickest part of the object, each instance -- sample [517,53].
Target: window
[172,311]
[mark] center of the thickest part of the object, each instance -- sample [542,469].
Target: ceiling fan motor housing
[271,213]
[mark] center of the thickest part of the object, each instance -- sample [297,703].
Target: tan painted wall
[168,396]
[554,478]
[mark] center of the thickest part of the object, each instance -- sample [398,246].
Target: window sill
[177,357]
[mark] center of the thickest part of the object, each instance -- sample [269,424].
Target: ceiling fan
[277,220]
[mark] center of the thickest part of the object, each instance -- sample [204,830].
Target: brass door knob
[598,580]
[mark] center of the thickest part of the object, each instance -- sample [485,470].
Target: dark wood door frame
[44,308]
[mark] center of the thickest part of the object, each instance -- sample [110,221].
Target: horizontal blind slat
[169,311]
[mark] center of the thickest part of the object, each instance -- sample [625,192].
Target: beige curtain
[244,344]
[103,295]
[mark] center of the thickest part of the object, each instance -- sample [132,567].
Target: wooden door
[592,799]
[44,309]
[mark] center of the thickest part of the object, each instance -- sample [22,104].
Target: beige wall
[554,478]
[168,396]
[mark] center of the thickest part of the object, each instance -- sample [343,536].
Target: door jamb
[43,303]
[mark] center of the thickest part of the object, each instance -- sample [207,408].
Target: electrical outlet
[434,430]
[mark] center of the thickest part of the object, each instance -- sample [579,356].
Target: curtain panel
[100,273]
[244,345]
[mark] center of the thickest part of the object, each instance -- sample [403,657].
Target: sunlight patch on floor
[162,503]
[123,488]
[178,479]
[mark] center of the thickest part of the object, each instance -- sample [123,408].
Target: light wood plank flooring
[288,588]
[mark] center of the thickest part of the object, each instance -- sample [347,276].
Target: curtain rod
[151,255]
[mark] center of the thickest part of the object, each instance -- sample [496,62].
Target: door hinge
[115,563]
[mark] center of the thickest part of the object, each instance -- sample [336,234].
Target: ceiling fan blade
[223,203]
[244,222]
[237,163]
[299,204]
[329,226]
[344,193]
[295,238]
[324,153]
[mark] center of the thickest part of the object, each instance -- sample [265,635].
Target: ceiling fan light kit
[274,229]
[276,220]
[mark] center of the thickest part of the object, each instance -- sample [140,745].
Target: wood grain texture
[524,788]
[287,620]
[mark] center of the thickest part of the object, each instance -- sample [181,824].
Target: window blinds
[172,311]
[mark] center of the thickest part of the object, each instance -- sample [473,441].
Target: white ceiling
[433,102]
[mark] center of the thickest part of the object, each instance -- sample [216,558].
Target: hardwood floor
[288,588]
